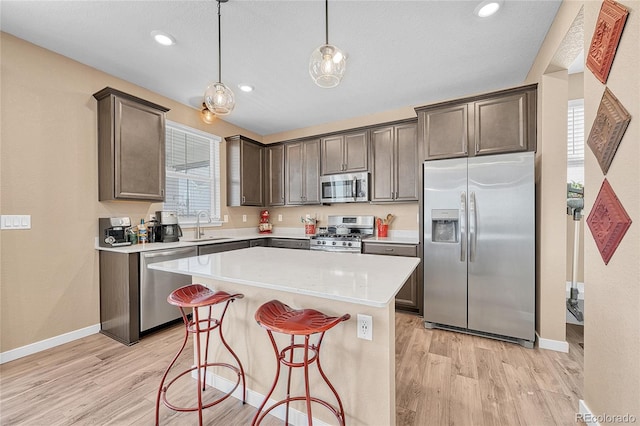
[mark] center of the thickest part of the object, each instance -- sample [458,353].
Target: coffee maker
[168,229]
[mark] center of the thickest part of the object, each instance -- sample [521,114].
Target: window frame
[215,211]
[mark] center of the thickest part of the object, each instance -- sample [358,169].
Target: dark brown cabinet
[394,165]
[289,243]
[222,247]
[245,172]
[275,175]
[345,153]
[302,172]
[409,298]
[131,147]
[492,123]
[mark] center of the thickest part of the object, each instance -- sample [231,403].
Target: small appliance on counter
[112,231]
[169,230]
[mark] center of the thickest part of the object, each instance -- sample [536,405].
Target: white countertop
[362,279]
[242,234]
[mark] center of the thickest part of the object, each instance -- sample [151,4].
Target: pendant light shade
[206,115]
[218,98]
[327,63]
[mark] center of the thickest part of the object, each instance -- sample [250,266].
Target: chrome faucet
[199,233]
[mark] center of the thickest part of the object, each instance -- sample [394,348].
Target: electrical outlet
[365,327]
[279,218]
[225,218]
[244,217]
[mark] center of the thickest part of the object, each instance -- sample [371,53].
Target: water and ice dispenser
[444,225]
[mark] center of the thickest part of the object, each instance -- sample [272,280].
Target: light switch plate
[16,221]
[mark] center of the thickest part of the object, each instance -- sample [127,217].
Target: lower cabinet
[409,298]
[262,242]
[290,243]
[133,298]
[220,247]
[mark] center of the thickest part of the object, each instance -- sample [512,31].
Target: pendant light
[327,63]
[218,98]
[207,116]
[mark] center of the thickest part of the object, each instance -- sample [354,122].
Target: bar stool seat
[277,317]
[198,296]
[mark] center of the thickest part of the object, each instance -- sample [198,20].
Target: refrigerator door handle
[463,226]
[473,227]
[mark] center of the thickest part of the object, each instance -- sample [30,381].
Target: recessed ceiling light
[163,38]
[245,87]
[487,8]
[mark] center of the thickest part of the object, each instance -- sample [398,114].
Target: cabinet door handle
[243,198]
[389,249]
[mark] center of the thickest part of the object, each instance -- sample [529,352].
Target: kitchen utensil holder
[382,230]
[310,229]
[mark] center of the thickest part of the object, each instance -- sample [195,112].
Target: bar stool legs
[275,316]
[197,296]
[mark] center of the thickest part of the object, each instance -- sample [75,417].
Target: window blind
[192,173]
[575,142]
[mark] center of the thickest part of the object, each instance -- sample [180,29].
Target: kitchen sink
[195,240]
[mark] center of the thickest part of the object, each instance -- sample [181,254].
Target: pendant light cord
[219,47]
[326,20]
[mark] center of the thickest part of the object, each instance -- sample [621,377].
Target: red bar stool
[277,317]
[198,296]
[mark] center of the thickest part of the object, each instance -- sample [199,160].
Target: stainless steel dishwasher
[155,286]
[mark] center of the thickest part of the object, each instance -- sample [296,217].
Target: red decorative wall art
[608,221]
[606,37]
[612,120]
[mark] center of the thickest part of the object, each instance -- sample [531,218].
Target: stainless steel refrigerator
[479,246]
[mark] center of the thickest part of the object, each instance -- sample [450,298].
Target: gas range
[344,234]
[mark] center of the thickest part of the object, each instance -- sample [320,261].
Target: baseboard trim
[586,415]
[52,342]
[553,345]
[296,417]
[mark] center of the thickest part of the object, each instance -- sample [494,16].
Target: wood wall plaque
[606,37]
[611,121]
[608,221]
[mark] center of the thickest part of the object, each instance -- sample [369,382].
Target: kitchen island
[362,371]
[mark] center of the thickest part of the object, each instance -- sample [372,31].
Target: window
[192,173]
[575,143]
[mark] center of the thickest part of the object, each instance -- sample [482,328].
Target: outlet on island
[365,327]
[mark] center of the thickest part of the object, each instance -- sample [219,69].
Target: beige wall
[612,292]
[48,169]
[551,172]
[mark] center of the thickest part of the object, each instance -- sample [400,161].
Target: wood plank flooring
[442,378]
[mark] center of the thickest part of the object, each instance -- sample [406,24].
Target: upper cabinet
[275,175]
[302,172]
[492,123]
[394,165]
[245,172]
[131,147]
[346,152]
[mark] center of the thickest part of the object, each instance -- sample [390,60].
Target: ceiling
[400,53]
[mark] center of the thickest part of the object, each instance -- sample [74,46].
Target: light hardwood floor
[442,378]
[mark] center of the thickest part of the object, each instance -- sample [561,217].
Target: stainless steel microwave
[344,188]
